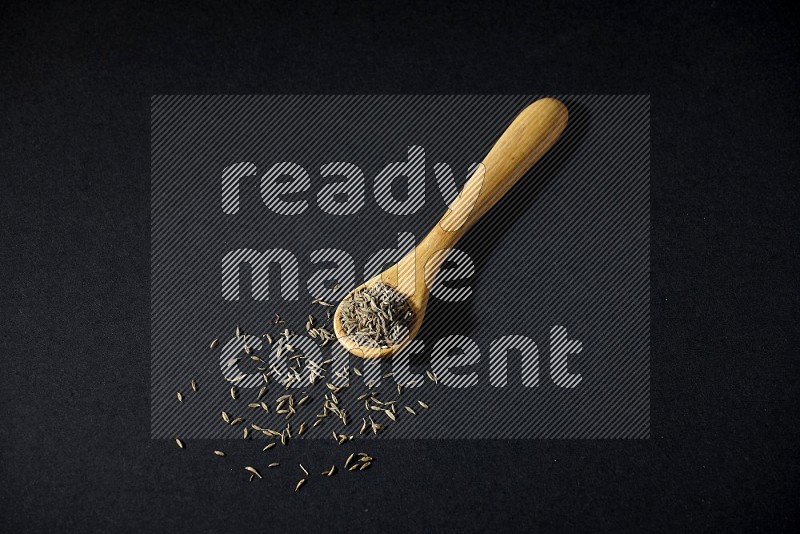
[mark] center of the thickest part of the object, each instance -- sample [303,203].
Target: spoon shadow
[481,241]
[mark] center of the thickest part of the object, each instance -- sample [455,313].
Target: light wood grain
[523,143]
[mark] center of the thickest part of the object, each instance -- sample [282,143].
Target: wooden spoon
[526,140]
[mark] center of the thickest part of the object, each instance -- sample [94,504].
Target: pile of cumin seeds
[272,411]
[376,316]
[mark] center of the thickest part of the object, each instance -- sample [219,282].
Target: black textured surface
[76,83]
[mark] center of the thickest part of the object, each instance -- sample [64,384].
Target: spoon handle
[524,142]
[526,139]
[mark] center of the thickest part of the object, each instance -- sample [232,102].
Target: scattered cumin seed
[300,483]
[194,385]
[253,470]
[180,443]
[219,453]
[274,464]
[422,404]
[179,396]
[269,446]
[213,344]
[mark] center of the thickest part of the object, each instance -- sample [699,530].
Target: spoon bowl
[524,142]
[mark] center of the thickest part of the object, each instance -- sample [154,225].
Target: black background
[76,86]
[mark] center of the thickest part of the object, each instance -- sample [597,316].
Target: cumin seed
[253,470]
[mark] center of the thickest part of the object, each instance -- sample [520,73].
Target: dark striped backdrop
[568,247]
